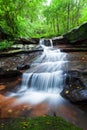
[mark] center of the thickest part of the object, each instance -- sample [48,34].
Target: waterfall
[46,73]
[46,43]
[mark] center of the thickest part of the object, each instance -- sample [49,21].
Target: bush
[5,44]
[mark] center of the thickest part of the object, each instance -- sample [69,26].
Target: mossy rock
[74,89]
[77,34]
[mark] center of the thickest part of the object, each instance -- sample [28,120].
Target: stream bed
[32,103]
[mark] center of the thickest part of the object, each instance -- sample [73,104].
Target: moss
[77,34]
[40,123]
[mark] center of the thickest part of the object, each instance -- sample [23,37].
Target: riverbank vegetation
[40,123]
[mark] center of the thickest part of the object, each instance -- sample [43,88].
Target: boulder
[23,67]
[45,42]
[26,41]
[74,89]
[77,35]
[9,74]
[59,40]
[36,40]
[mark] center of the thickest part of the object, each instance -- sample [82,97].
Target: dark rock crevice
[74,88]
[9,74]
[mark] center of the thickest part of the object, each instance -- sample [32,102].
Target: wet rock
[59,40]
[23,67]
[74,89]
[46,42]
[36,40]
[10,74]
[25,41]
[77,35]
[11,54]
[1,70]
[73,73]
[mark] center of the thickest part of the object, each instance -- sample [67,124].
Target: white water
[44,81]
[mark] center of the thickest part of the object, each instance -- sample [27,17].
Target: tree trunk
[68,18]
[58,28]
[78,12]
[54,28]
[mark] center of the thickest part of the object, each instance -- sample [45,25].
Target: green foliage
[40,123]
[31,18]
[77,34]
[5,44]
[19,17]
[64,15]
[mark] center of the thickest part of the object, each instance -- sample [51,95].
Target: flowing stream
[44,81]
[47,72]
[45,78]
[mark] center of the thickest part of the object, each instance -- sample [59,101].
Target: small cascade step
[46,72]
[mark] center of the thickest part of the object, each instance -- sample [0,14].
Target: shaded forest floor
[40,123]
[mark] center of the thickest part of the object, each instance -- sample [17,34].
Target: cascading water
[45,78]
[42,85]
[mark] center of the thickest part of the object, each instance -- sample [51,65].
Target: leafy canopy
[36,18]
